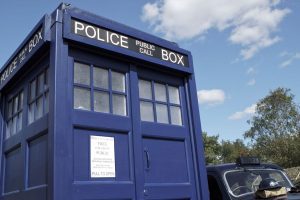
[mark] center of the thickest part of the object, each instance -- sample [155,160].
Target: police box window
[38,102]
[14,115]
[99,89]
[159,102]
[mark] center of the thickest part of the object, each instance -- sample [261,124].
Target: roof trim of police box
[30,45]
[71,14]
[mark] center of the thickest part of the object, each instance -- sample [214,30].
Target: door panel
[166,146]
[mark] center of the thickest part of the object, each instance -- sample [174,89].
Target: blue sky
[241,49]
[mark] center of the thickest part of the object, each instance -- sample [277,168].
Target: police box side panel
[24,134]
[111,36]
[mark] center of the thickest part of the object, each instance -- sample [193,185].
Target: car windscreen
[246,181]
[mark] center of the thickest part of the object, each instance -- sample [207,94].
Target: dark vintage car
[240,180]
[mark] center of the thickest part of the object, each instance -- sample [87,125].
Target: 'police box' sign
[139,46]
[21,56]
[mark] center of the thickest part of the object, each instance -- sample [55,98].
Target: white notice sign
[102,157]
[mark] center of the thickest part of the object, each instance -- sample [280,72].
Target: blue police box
[92,109]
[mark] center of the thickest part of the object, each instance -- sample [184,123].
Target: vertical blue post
[60,133]
[196,131]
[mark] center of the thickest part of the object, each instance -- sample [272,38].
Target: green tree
[231,150]
[275,128]
[212,148]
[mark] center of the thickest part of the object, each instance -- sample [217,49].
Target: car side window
[214,189]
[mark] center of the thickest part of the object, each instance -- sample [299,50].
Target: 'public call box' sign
[136,45]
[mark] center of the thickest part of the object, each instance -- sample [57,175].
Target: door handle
[147,159]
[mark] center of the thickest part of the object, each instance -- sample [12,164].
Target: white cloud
[251,82]
[247,112]
[211,97]
[290,59]
[252,23]
[251,70]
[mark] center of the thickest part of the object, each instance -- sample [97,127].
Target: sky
[241,49]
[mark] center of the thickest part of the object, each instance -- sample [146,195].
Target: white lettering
[77,24]
[164,54]
[172,57]
[124,41]
[98,35]
[180,59]
[93,31]
[116,36]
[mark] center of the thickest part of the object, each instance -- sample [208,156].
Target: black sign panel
[139,46]
[18,60]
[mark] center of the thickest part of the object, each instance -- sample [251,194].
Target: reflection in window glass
[146,109]
[82,99]
[10,109]
[32,89]
[39,108]
[145,89]
[119,104]
[100,78]
[47,102]
[19,125]
[21,100]
[38,104]
[14,115]
[31,113]
[14,128]
[175,115]
[160,92]
[8,129]
[118,81]
[162,113]
[40,83]
[107,91]
[174,95]
[81,73]
[101,102]
[16,103]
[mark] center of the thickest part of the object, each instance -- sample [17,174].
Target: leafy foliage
[275,128]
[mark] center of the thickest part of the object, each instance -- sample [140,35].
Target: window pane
[162,113]
[32,89]
[47,102]
[39,108]
[145,89]
[14,125]
[146,109]
[100,78]
[47,78]
[8,128]
[40,83]
[118,81]
[175,115]
[21,100]
[174,95]
[81,73]
[160,92]
[101,102]
[9,114]
[31,113]
[16,103]
[119,105]
[82,99]
[19,123]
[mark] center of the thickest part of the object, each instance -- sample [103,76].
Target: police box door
[166,170]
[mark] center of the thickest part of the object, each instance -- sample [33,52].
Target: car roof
[230,166]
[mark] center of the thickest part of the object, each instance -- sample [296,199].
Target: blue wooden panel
[165,161]
[82,156]
[37,161]
[13,171]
